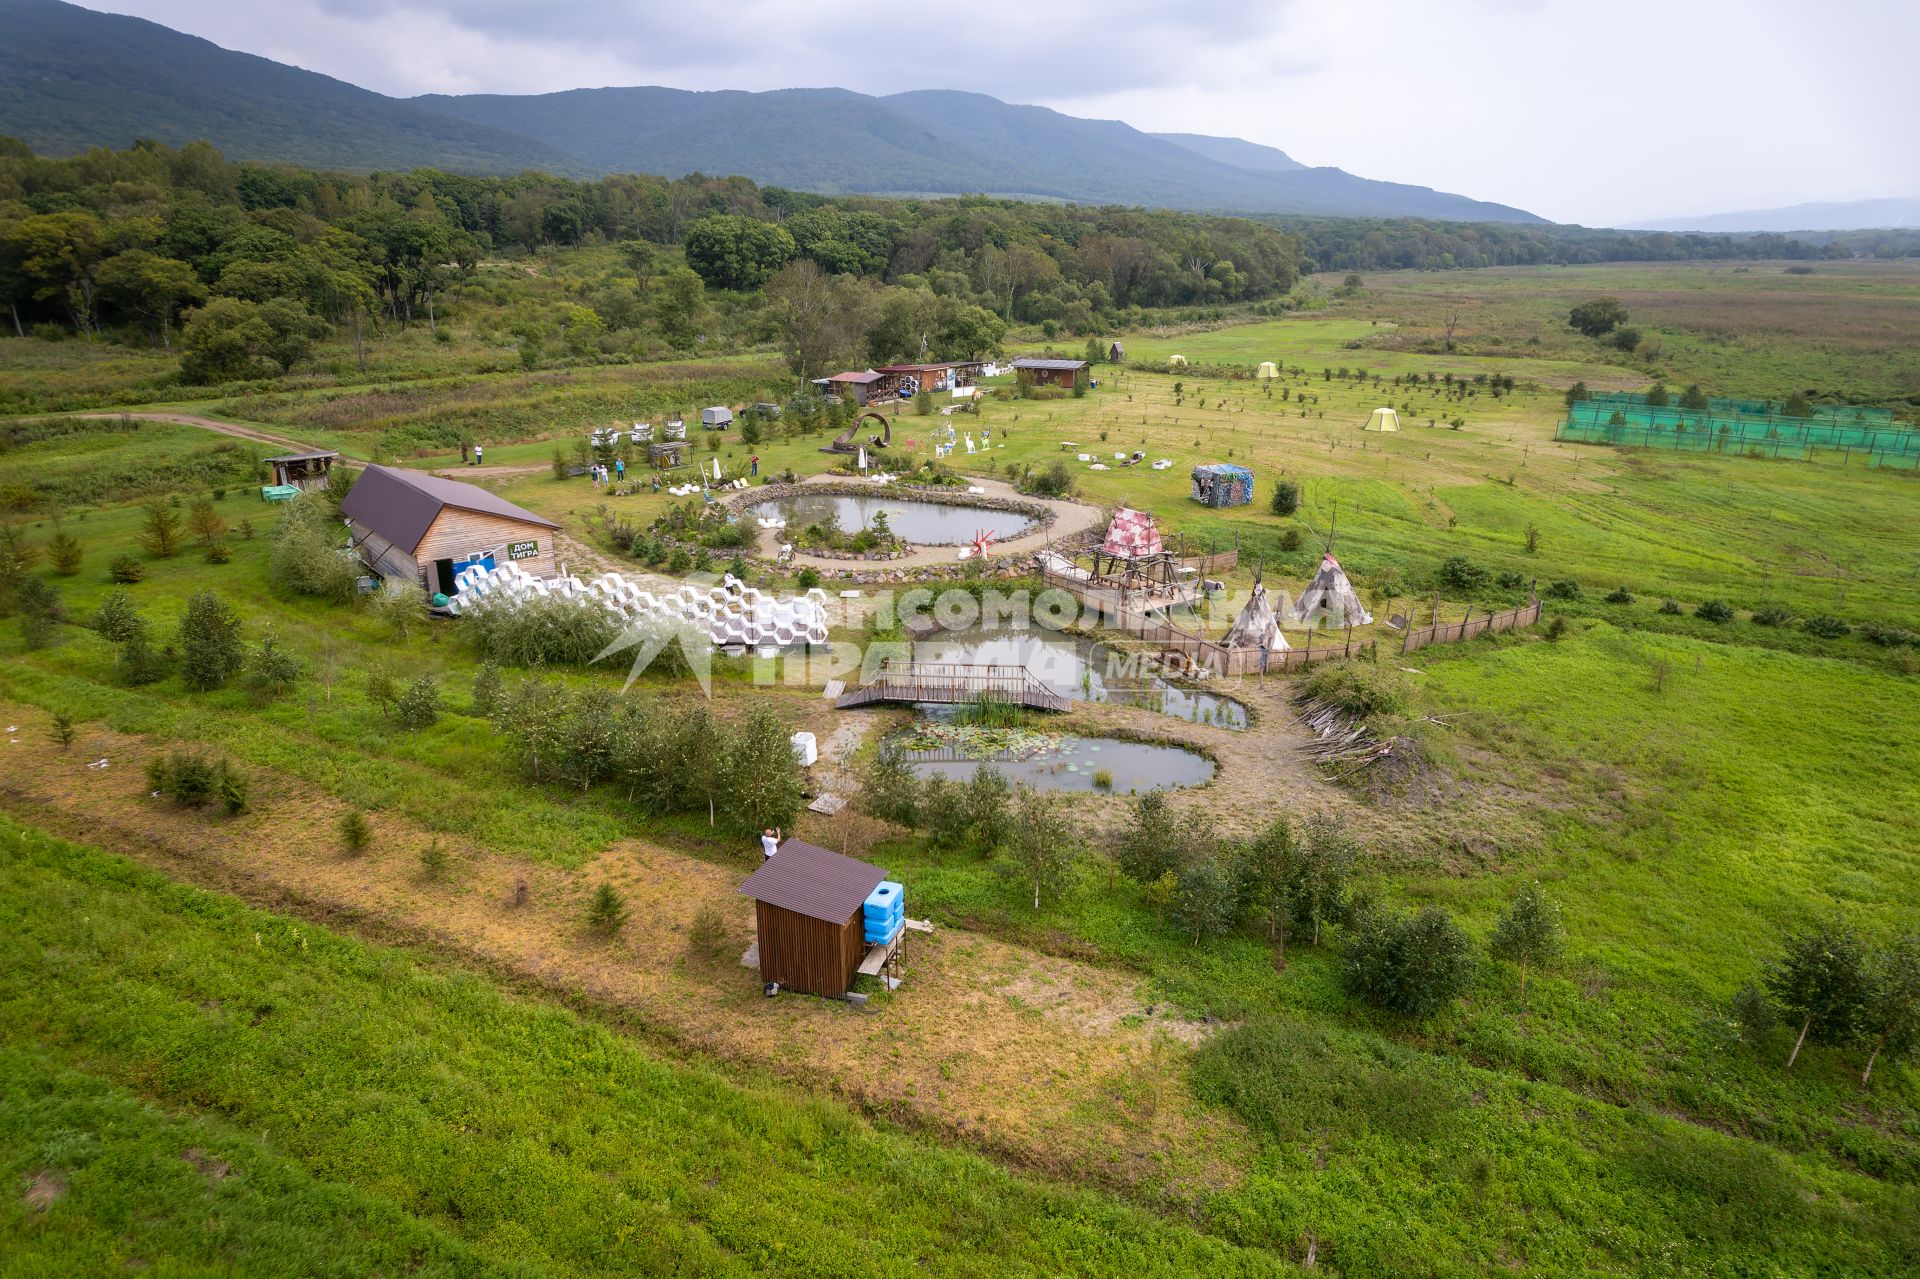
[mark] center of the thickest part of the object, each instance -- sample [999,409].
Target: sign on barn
[522,550]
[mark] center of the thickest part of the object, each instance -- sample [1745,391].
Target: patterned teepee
[1329,599]
[1257,626]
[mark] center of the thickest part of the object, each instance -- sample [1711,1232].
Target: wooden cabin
[859,388]
[422,528]
[301,471]
[808,910]
[1047,372]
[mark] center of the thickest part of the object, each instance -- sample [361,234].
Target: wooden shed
[425,529]
[860,388]
[807,907]
[302,471]
[1050,372]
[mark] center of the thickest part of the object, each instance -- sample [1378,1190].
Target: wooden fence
[1469,626]
[1114,611]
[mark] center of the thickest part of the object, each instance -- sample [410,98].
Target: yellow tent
[1176,361]
[1383,420]
[1267,372]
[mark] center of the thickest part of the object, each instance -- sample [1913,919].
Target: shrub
[891,790]
[433,861]
[1459,573]
[1620,595]
[401,606]
[1714,611]
[191,780]
[553,630]
[271,669]
[1509,580]
[126,570]
[160,530]
[943,811]
[1411,964]
[139,662]
[356,832]
[1563,590]
[1358,690]
[1290,539]
[65,553]
[210,648]
[419,706]
[218,553]
[808,579]
[488,689]
[761,781]
[307,558]
[1286,497]
[1825,627]
[1772,615]
[1888,636]
[607,912]
[1669,608]
[1205,901]
[707,934]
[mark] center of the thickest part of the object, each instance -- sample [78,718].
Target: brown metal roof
[1049,364]
[809,880]
[919,368]
[402,505]
[859,378]
[313,456]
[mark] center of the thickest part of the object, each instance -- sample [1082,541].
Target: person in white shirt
[769,843]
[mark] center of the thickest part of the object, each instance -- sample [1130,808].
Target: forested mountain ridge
[72,78]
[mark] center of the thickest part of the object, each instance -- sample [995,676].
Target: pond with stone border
[912,519]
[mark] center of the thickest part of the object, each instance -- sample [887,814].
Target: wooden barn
[422,528]
[1042,372]
[808,908]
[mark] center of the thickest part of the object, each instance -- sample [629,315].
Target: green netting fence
[1873,435]
[1772,410]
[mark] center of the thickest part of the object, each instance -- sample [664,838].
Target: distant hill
[1235,151]
[1846,215]
[71,78]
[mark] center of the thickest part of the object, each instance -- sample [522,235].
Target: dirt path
[1046,1061]
[491,472]
[209,424]
[1069,518]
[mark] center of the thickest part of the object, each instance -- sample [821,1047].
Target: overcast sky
[1580,111]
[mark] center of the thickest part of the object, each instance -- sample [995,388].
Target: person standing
[620,469]
[479,452]
[755,461]
[769,843]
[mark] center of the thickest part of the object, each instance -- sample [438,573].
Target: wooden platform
[954,683]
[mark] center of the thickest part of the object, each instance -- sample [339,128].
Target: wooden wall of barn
[807,954]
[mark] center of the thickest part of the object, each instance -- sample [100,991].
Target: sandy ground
[1042,1060]
[1069,518]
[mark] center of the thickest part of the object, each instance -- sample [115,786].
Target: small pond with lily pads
[1050,761]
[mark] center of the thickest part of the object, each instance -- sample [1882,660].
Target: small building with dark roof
[422,528]
[808,911]
[1049,372]
[857,387]
[302,471]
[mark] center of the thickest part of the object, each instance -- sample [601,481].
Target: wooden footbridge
[954,683]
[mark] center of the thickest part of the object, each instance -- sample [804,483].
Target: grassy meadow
[1690,790]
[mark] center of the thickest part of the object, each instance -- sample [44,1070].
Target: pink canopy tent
[1132,535]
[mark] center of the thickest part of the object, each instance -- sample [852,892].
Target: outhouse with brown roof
[808,905]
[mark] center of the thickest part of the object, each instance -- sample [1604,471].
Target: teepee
[1132,535]
[1329,599]
[1383,420]
[1257,626]
[1268,371]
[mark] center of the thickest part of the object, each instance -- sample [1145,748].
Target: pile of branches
[1348,744]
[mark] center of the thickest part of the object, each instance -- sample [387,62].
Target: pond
[1084,670]
[913,519]
[1070,763]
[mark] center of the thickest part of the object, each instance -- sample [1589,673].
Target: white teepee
[1256,627]
[1329,599]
